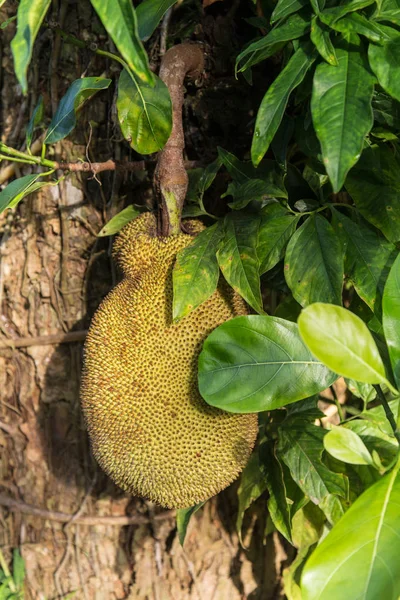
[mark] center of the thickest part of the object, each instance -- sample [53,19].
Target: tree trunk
[53,274]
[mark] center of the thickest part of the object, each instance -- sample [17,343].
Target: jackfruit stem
[170,177]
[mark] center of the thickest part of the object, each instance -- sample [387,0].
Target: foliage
[311,234]
[12,583]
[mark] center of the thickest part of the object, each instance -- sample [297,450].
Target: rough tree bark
[53,274]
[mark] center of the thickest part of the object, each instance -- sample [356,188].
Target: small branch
[388,411]
[170,178]
[98,167]
[44,340]
[28,509]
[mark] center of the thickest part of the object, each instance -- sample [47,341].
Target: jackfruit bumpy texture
[150,430]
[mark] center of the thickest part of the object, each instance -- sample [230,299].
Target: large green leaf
[314,263]
[359,557]
[374,185]
[275,100]
[276,229]
[238,259]
[120,22]
[294,27]
[354,23]
[330,15]
[149,13]
[300,446]
[30,17]
[284,8]
[391,317]
[341,111]
[144,113]
[64,120]
[368,258]
[196,272]
[252,485]
[256,363]
[253,190]
[342,341]
[388,10]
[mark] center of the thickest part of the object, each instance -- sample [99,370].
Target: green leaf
[18,568]
[254,190]
[275,100]
[354,23]
[16,190]
[294,27]
[345,445]
[35,120]
[368,258]
[342,341]
[239,171]
[252,485]
[300,446]
[119,221]
[196,273]
[359,556]
[278,506]
[391,317]
[331,15]
[276,229]
[385,63]
[255,363]
[238,259]
[30,16]
[183,516]
[120,22]
[144,113]
[322,41]
[388,10]
[284,8]
[149,13]
[64,120]
[374,185]
[314,263]
[318,5]
[341,111]
[374,437]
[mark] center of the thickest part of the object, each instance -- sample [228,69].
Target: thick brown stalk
[170,177]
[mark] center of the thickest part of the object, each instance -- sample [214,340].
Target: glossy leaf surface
[359,556]
[30,17]
[341,111]
[342,341]
[385,63]
[252,485]
[196,272]
[314,263]
[64,120]
[120,21]
[16,190]
[144,113]
[256,363]
[345,445]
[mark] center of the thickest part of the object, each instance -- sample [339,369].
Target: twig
[338,405]
[388,411]
[164,31]
[44,340]
[170,178]
[98,167]
[60,517]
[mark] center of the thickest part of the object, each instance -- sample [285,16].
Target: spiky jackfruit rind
[150,430]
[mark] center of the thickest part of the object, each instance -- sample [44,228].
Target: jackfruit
[150,429]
